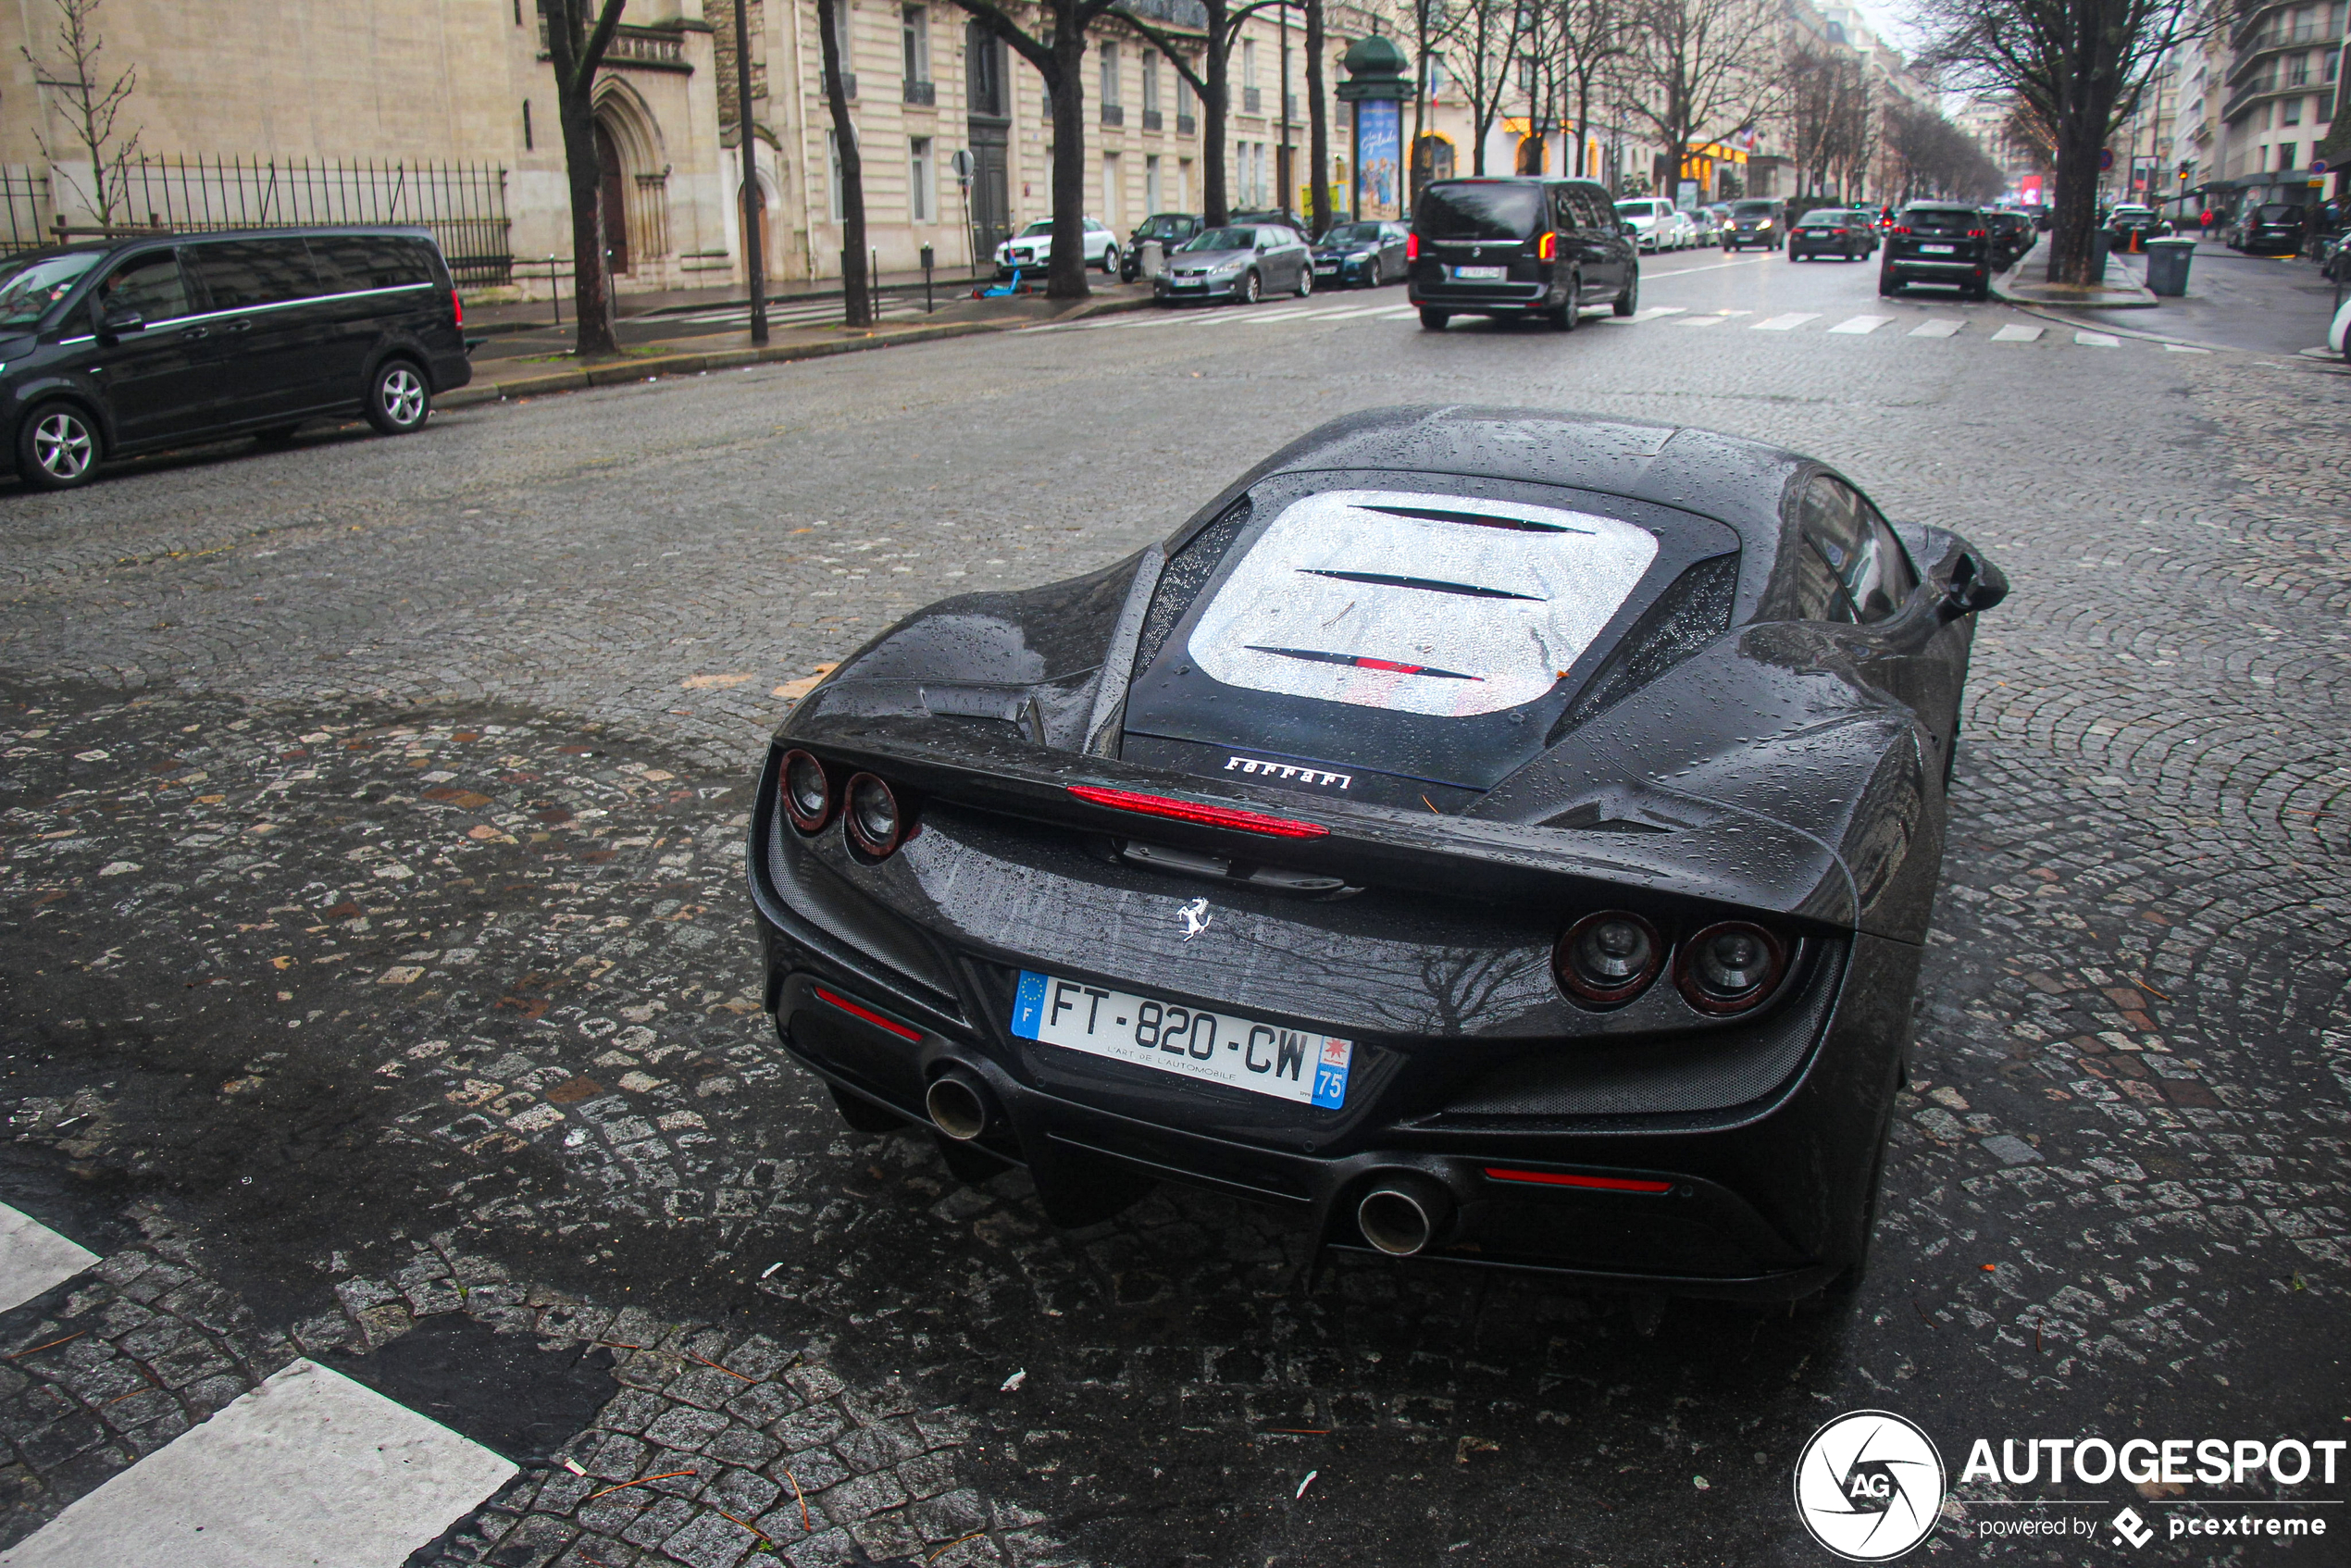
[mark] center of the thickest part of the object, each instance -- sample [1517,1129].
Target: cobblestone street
[381,970]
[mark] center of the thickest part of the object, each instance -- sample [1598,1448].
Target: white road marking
[310,1468]
[1406,314]
[1361,311]
[1717,267]
[33,1258]
[2097,340]
[2012,333]
[1708,321]
[1649,313]
[1787,323]
[1261,316]
[1936,327]
[1860,324]
[2187,348]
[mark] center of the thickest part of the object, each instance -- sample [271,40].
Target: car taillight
[1976,234]
[457,306]
[1412,247]
[1901,228]
[874,820]
[1196,812]
[807,791]
[1838,231]
[1547,247]
[1608,959]
[1729,967]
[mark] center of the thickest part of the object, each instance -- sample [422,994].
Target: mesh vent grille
[1187,573]
[1691,613]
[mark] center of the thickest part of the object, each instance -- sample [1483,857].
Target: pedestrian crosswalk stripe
[1261,315]
[1787,323]
[2097,340]
[33,1258]
[2012,333]
[1651,314]
[1937,327]
[1406,314]
[311,1467]
[1709,320]
[1860,324]
[2190,348]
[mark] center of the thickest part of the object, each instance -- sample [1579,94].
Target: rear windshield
[1165,227]
[1940,220]
[2279,212]
[1418,603]
[1824,220]
[29,288]
[1478,212]
[1353,234]
[1638,209]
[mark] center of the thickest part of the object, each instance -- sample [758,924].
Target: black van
[1517,247]
[129,345]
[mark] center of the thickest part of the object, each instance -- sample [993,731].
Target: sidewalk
[524,315]
[2024,285]
[2252,304]
[525,374]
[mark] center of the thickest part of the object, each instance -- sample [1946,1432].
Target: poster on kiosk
[1379,159]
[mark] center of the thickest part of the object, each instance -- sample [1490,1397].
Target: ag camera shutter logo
[1869,1485]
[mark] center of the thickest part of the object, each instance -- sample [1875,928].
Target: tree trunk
[2076,206]
[597,337]
[1066,274]
[856,291]
[1216,206]
[1318,120]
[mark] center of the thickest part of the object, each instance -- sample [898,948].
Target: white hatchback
[1029,250]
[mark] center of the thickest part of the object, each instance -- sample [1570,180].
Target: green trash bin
[2168,266]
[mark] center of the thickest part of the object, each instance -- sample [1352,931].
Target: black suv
[1519,247]
[1170,229]
[1755,223]
[1938,243]
[129,345]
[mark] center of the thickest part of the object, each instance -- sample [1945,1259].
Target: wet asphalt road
[377,961]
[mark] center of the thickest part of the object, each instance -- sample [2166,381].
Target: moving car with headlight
[1239,261]
[1486,834]
[1369,254]
[1032,248]
[1755,223]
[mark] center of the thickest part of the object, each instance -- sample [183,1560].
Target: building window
[922,202]
[1151,192]
[2286,154]
[1114,181]
[915,31]
[1249,65]
[835,196]
[1187,111]
[1109,73]
[2297,70]
[842,43]
[1150,83]
[2290,112]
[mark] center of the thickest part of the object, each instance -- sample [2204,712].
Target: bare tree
[1432,21]
[1596,36]
[1826,104]
[856,296]
[1211,80]
[579,31]
[92,105]
[1696,75]
[2080,66]
[1486,39]
[1934,157]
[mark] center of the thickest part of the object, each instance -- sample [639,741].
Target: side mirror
[1973,585]
[116,320]
[1626,229]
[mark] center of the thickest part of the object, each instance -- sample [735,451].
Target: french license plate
[1937,250]
[1238,1052]
[1471,273]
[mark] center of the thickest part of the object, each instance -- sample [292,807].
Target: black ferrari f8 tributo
[1501,836]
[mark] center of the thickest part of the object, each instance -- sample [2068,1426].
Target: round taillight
[1608,958]
[1729,967]
[808,793]
[875,824]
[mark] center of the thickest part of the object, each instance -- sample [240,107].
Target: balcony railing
[1151,119]
[1252,101]
[922,93]
[1186,125]
[1113,114]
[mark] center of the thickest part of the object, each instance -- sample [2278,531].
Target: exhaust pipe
[1405,1214]
[958,1104]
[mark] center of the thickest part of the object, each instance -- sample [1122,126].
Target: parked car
[2131,221]
[1938,243]
[1831,231]
[130,346]
[2268,228]
[1032,249]
[2339,329]
[1756,223]
[1239,261]
[2012,238]
[1511,248]
[1712,220]
[1598,766]
[1369,254]
[1273,215]
[1656,225]
[1170,229]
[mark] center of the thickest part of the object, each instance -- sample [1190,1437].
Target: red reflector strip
[1206,815]
[1598,1184]
[901,1031]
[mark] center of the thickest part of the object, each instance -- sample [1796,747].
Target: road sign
[2106,159]
[962,163]
[2318,166]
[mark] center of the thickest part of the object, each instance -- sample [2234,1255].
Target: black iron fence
[464,206]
